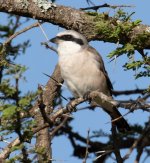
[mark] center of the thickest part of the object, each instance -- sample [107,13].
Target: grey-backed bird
[82,68]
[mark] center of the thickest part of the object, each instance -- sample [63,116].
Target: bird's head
[69,36]
[69,41]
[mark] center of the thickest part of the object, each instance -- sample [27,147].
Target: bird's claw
[71,108]
[87,96]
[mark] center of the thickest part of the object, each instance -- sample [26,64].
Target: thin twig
[44,33]
[145,133]
[102,153]
[90,2]
[87,146]
[52,133]
[20,32]
[47,40]
[49,47]
[116,119]
[105,5]
[58,84]
[115,144]
[53,79]
[128,92]
[131,149]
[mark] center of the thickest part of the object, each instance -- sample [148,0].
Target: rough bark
[43,141]
[92,26]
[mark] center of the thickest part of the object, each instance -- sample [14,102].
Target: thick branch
[107,102]
[89,25]
[50,92]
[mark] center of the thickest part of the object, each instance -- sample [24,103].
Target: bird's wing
[101,66]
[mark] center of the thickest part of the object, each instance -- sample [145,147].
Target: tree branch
[128,92]
[80,21]
[6,151]
[97,146]
[51,90]
[115,144]
[20,32]
[105,101]
[104,5]
[98,97]
[141,139]
[53,132]
[87,146]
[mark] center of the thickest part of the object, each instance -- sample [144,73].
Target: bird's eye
[68,37]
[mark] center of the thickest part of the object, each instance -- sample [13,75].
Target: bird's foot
[71,108]
[87,96]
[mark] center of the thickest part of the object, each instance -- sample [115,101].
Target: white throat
[68,48]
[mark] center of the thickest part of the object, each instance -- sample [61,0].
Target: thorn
[58,84]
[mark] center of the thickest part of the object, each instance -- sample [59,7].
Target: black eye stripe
[71,38]
[66,37]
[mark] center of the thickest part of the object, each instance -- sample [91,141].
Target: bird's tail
[118,120]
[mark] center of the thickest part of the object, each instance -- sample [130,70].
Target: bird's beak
[54,40]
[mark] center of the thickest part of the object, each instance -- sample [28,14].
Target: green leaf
[136,22]
[9,111]
[6,88]
[125,49]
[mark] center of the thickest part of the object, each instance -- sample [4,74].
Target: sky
[39,60]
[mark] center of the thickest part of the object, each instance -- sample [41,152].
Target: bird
[83,70]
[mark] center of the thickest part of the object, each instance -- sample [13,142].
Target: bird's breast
[81,72]
[74,65]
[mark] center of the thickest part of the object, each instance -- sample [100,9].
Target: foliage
[123,29]
[14,103]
